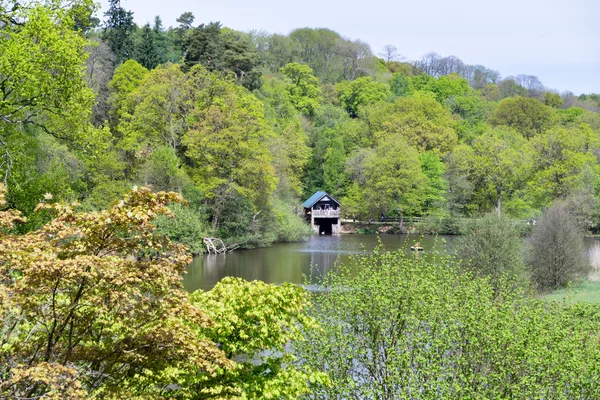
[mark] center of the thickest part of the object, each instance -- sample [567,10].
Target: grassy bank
[585,291]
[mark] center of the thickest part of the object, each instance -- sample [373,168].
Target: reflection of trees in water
[213,263]
[321,264]
[594,256]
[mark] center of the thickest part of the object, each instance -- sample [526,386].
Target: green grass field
[586,291]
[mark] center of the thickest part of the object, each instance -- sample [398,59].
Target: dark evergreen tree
[203,46]
[180,33]
[161,42]
[119,30]
[147,52]
[231,53]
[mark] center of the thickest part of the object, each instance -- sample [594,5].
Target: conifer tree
[118,31]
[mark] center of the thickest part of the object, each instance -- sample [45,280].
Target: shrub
[492,246]
[555,253]
[289,227]
[186,226]
[396,326]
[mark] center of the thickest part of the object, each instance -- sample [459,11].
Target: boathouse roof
[318,196]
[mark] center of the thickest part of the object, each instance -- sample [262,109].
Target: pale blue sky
[556,40]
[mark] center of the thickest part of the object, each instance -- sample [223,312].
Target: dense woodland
[119,144]
[246,125]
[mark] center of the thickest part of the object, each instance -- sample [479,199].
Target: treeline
[245,125]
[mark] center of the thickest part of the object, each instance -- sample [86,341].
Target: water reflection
[291,262]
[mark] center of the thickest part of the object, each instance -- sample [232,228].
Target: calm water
[291,262]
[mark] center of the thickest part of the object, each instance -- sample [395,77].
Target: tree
[395,182]
[390,53]
[555,255]
[160,110]
[508,87]
[361,92]
[420,119]
[534,86]
[397,326]
[433,168]
[100,299]
[251,317]
[203,46]
[492,247]
[399,84]
[43,85]
[553,100]
[558,158]
[162,170]
[334,176]
[460,193]
[100,69]
[448,86]
[305,90]
[186,20]
[499,167]
[289,144]
[125,80]
[226,146]
[528,116]
[228,52]
[147,52]
[118,32]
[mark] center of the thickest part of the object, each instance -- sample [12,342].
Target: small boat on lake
[417,247]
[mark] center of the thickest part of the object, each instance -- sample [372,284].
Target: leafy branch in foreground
[394,326]
[92,305]
[96,299]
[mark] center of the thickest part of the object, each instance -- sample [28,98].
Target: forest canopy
[245,125]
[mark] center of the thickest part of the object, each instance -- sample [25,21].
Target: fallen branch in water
[217,246]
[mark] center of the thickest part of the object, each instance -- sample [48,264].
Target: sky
[556,40]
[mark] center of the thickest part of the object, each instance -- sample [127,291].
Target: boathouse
[323,212]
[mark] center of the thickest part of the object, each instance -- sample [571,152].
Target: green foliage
[499,169]
[361,92]
[40,166]
[528,116]
[335,178]
[394,181]
[104,194]
[147,51]
[396,326]
[289,144]
[558,158]
[257,324]
[288,225]
[83,296]
[553,100]
[163,171]
[42,76]
[555,251]
[492,247]
[420,119]
[126,79]
[119,31]
[304,88]
[186,226]
[400,85]
[226,146]
[433,168]
[447,87]
[227,52]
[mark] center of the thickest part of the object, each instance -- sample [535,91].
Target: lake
[292,262]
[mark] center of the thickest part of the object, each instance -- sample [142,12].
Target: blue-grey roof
[316,197]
